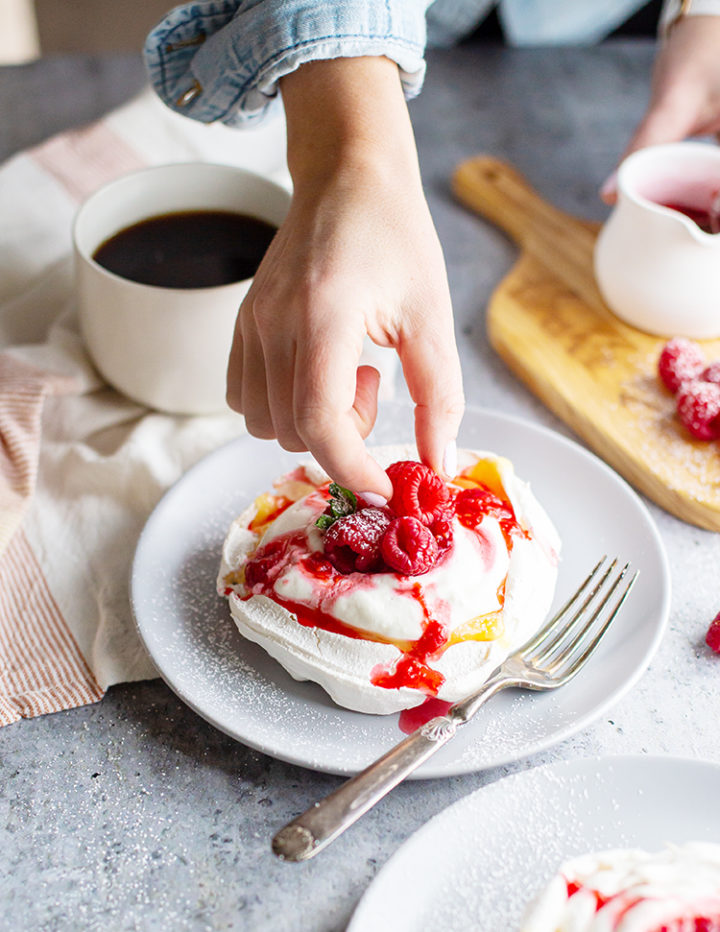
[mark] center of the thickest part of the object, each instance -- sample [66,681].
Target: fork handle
[321,824]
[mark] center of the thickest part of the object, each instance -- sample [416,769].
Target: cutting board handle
[501,194]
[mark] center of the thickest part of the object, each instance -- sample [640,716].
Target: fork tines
[566,641]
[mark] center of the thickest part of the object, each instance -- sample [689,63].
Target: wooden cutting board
[548,322]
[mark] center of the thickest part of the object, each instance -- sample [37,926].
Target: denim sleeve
[220,60]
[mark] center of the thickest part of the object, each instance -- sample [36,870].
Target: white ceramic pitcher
[655,267]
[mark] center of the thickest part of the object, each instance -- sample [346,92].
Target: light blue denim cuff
[220,60]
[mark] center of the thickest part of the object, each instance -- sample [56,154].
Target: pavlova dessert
[384,607]
[674,890]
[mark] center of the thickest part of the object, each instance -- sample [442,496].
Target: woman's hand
[685,96]
[357,254]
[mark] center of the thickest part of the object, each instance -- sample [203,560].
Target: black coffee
[188,249]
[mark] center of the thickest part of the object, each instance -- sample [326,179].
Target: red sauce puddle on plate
[412,719]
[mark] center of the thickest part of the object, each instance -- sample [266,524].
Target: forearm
[348,115]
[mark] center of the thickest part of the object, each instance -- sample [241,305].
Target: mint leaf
[342,503]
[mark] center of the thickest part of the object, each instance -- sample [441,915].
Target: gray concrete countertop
[134,814]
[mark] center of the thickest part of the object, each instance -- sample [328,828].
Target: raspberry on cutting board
[698,407]
[680,360]
[711,373]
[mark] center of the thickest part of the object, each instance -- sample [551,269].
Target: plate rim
[430,770]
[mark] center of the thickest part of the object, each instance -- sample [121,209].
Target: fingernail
[609,186]
[372,498]
[450,459]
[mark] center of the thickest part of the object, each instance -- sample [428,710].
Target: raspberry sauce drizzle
[574,887]
[472,505]
[413,670]
[701,923]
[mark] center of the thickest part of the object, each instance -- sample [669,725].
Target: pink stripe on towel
[22,393]
[41,667]
[85,159]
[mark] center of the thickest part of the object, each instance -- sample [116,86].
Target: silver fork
[549,659]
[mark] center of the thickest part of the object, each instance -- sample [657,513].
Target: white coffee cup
[165,347]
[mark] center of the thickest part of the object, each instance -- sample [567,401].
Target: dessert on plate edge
[676,889]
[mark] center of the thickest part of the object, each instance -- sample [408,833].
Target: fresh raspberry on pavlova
[384,607]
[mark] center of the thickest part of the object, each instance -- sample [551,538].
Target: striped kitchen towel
[81,467]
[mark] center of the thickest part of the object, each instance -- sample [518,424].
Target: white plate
[232,683]
[480,862]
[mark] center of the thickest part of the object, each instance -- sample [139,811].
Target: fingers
[608,189]
[366,399]
[233,395]
[254,395]
[335,409]
[432,372]
[280,354]
[311,395]
[265,400]
[339,449]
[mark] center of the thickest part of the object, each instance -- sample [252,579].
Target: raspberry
[352,544]
[680,361]
[472,505]
[442,531]
[417,491]
[408,547]
[711,373]
[698,407]
[712,638]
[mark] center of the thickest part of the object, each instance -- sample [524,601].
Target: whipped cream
[350,633]
[632,891]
